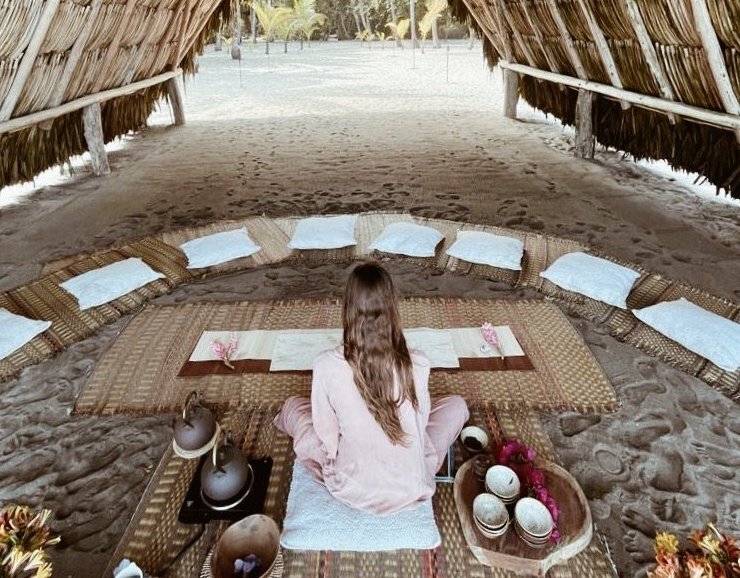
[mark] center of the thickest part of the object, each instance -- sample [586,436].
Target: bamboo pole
[575,60]
[484,29]
[505,38]
[552,63]
[22,122]
[75,54]
[714,55]
[27,61]
[601,45]
[175,96]
[651,56]
[531,60]
[701,115]
[184,24]
[113,47]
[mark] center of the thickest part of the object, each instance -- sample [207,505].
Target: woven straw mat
[138,374]
[154,537]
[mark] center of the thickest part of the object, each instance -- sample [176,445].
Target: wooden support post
[511,93]
[175,97]
[93,128]
[584,125]
[27,61]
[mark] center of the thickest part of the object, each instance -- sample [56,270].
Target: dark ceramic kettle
[226,478]
[195,429]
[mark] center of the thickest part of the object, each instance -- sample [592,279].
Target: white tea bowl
[490,515]
[503,482]
[475,434]
[533,518]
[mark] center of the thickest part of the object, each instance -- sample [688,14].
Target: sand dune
[341,128]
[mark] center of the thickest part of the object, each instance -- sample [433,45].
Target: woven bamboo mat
[44,299]
[138,373]
[154,538]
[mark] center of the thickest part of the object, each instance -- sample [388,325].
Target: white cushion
[324,233]
[218,248]
[16,331]
[110,282]
[703,332]
[315,520]
[593,277]
[488,249]
[408,239]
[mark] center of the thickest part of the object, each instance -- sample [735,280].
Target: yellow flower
[666,544]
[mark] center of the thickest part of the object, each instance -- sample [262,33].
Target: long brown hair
[375,348]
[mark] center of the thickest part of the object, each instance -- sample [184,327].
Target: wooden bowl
[256,534]
[510,551]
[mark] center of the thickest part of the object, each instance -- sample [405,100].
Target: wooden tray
[509,551]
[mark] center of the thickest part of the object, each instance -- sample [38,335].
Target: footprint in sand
[665,471]
[610,462]
[575,424]
[648,428]
[637,393]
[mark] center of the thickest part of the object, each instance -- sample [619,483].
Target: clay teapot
[226,478]
[195,429]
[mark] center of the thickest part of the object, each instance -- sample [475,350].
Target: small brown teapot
[227,478]
[195,430]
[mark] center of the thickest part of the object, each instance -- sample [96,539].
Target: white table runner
[295,349]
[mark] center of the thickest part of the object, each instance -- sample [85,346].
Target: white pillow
[218,248]
[110,282]
[593,277]
[324,233]
[703,332]
[16,331]
[408,239]
[488,249]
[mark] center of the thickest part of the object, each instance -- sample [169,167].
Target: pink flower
[489,334]
[224,352]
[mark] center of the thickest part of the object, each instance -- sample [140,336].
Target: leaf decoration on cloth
[225,352]
[489,334]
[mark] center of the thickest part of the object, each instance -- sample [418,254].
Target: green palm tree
[271,18]
[399,30]
[307,20]
[434,11]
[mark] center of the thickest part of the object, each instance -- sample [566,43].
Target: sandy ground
[340,128]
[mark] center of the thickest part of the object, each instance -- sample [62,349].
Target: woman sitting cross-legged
[369,432]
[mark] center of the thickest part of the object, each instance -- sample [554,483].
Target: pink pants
[446,419]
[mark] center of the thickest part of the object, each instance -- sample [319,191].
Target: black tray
[194,511]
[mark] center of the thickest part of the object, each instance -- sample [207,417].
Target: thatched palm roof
[667,72]
[57,56]
[674,51]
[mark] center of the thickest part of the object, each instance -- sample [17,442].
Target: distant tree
[271,18]
[307,20]
[429,20]
[399,30]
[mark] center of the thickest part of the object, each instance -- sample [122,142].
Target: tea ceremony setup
[310,289]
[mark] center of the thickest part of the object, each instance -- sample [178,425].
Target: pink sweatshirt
[362,467]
